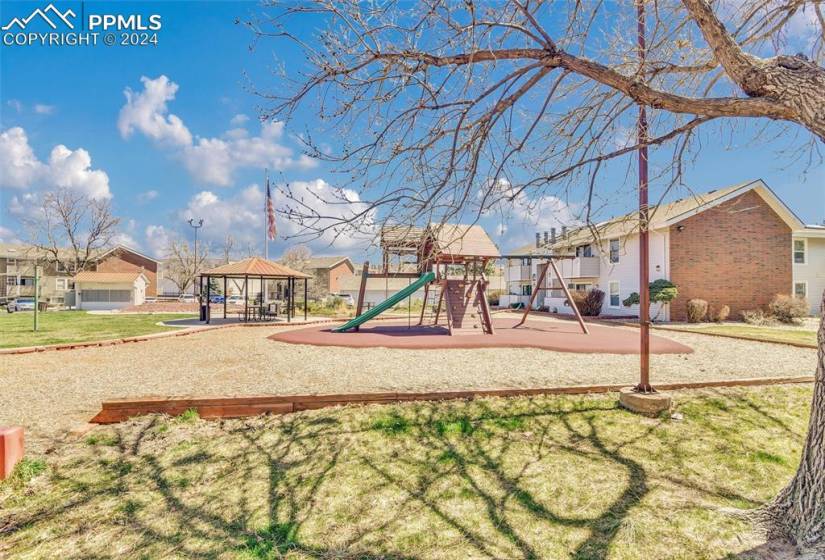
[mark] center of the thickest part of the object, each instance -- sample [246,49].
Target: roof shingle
[255,266]
[107,277]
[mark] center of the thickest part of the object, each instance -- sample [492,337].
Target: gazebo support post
[245,297]
[288,299]
[305,299]
[224,297]
[292,297]
[208,309]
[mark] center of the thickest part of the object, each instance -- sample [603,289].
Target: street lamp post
[196,225]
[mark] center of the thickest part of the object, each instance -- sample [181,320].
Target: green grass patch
[24,471]
[189,415]
[538,477]
[62,327]
[102,439]
[392,424]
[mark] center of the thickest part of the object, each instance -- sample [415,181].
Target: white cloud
[72,170]
[525,215]
[242,215]
[147,196]
[623,137]
[20,168]
[8,236]
[146,112]
[211,160]
[126,240]
[157,239]
[43,109]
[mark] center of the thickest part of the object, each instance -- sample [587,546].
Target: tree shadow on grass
[312,484]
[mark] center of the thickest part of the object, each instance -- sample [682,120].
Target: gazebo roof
[255,266]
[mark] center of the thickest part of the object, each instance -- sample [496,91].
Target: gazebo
[254,268]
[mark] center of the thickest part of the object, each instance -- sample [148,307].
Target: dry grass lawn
[549,477]
[772,334]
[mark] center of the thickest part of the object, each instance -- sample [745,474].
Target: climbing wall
[465,307]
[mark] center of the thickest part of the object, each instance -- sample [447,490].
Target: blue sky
[157,174]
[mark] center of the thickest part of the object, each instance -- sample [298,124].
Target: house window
[614,251]
[11,281]
[584,251]
[11,262]
[615,297]
[526,289]
[526,261]
[800,289]
[61,284]
[799,251]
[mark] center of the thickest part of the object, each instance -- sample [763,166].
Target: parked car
[216,298]
[187,298]
[235,300]
[23,304]
[347,299]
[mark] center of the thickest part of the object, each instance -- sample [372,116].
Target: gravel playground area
[51,393]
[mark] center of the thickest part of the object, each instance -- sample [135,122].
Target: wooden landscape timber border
[114,411]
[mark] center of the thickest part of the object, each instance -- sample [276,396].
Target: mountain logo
[44,15]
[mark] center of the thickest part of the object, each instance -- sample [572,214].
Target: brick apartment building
[57,285]
[738,246]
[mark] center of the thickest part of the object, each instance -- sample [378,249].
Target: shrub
[788,309]
[494,297]
[756,317]
[589,303]
[720,314]
[696,310]
[632,299]
[663,291]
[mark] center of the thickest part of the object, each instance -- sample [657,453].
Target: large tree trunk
[798,512]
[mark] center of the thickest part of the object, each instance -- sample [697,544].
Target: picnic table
[261,312]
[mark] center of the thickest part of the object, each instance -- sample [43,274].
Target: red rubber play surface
[561,336]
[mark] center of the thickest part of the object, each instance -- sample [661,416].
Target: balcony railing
[580,267]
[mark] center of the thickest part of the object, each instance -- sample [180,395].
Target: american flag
[270,214]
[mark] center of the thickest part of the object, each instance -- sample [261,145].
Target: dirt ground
[51,393]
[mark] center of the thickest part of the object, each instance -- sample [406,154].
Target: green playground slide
[387,303]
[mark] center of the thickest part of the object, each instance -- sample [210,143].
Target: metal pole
[305,299]
[266,214]
[196,227]
[208,302]
[644,242]
[36,295]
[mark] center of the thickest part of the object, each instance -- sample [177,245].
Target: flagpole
[266,216]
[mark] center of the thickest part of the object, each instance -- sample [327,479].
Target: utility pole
[644,214]
[196,226]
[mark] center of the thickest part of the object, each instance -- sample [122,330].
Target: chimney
[553,235]
[538,240]
[546,237]
[563,232]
